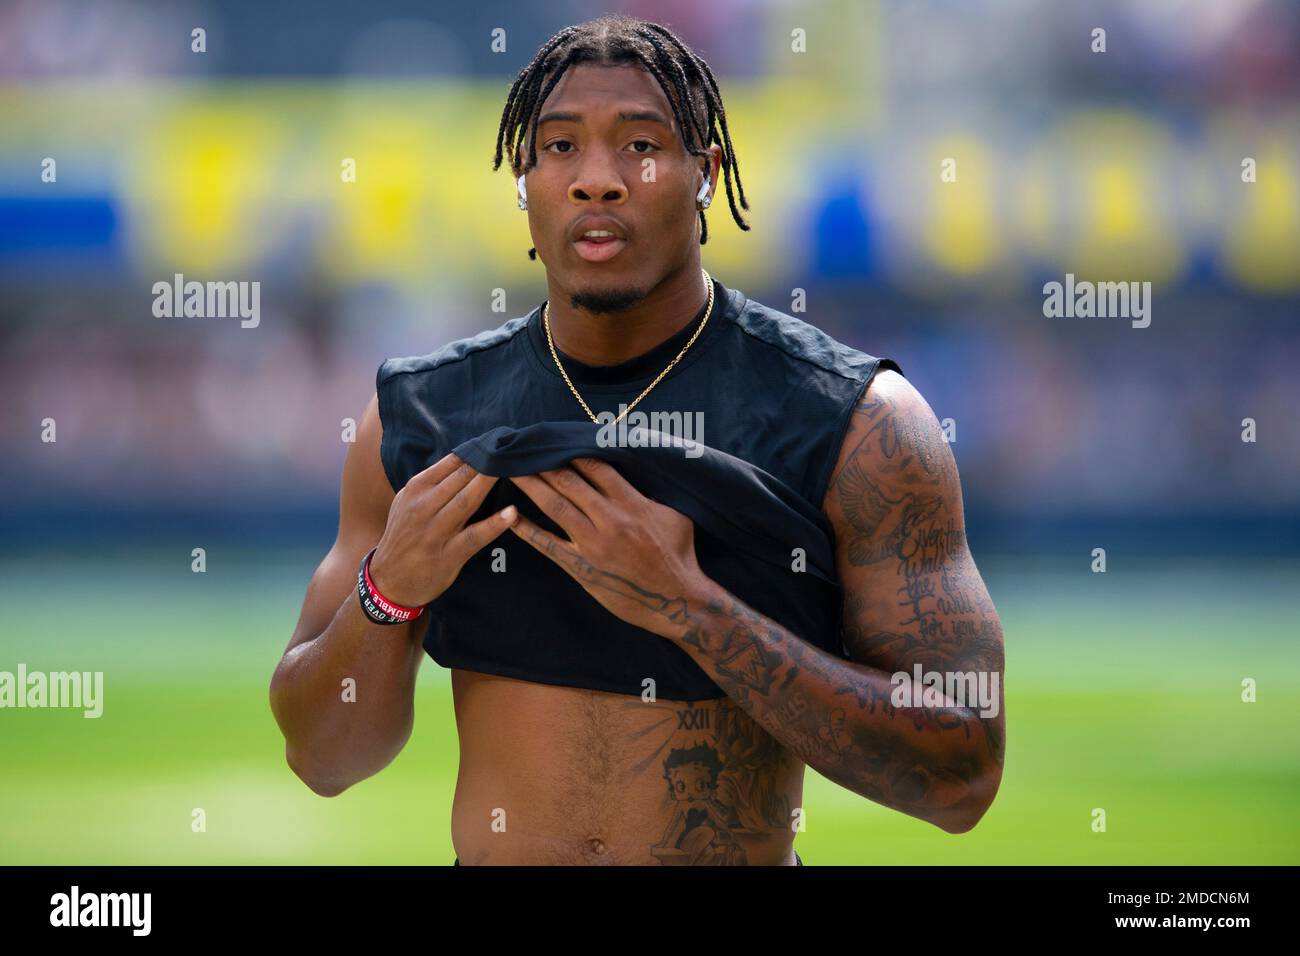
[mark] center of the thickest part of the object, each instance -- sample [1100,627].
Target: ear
[712,163]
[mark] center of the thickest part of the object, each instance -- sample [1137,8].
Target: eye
[558,142]
[645,142]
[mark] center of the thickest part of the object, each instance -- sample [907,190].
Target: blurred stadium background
[1123,688]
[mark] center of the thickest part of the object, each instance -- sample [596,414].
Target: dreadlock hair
[616,40]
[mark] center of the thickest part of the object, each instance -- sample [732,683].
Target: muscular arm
[912,595]
[422,539]
[331,743]
[912,598]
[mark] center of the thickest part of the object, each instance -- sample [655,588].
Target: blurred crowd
[171,160]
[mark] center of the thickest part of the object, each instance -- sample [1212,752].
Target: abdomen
[560,775]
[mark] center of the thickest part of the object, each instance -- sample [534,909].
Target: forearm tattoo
[912,597]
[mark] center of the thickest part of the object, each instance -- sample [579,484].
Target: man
[568,638]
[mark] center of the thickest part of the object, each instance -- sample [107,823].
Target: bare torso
[561,775]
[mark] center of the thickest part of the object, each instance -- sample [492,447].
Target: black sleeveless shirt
[773,395]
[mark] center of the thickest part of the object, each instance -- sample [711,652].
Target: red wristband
[377,607]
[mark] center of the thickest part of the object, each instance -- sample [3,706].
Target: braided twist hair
[617,40]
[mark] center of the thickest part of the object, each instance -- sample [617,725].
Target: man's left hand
[631,553]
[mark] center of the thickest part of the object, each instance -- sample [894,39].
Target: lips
[599,250]
[608,239]
[600,223]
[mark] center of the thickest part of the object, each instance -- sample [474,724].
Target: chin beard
[606,300]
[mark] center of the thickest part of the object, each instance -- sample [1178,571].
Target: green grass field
[1123,692]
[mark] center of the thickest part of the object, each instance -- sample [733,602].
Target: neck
[609,338]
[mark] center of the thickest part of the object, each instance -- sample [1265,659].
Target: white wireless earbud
[702,197]
[523,193]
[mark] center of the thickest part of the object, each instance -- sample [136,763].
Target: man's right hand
[425,542]
[331,742]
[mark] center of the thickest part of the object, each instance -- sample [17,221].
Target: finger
[432,498]
[446,491]
[471,540]
[605,477]
[464,503]
[570,483]
[439,470]
[562,552]
[560,510]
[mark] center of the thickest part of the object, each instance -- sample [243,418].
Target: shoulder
[453,353]
[420,399]
[803,342]
[820,377]
[894,446]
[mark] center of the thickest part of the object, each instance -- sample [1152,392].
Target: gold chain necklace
[549,341]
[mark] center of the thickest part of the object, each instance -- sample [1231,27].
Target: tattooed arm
[913,598]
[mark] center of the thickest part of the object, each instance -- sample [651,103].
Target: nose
[597,178]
